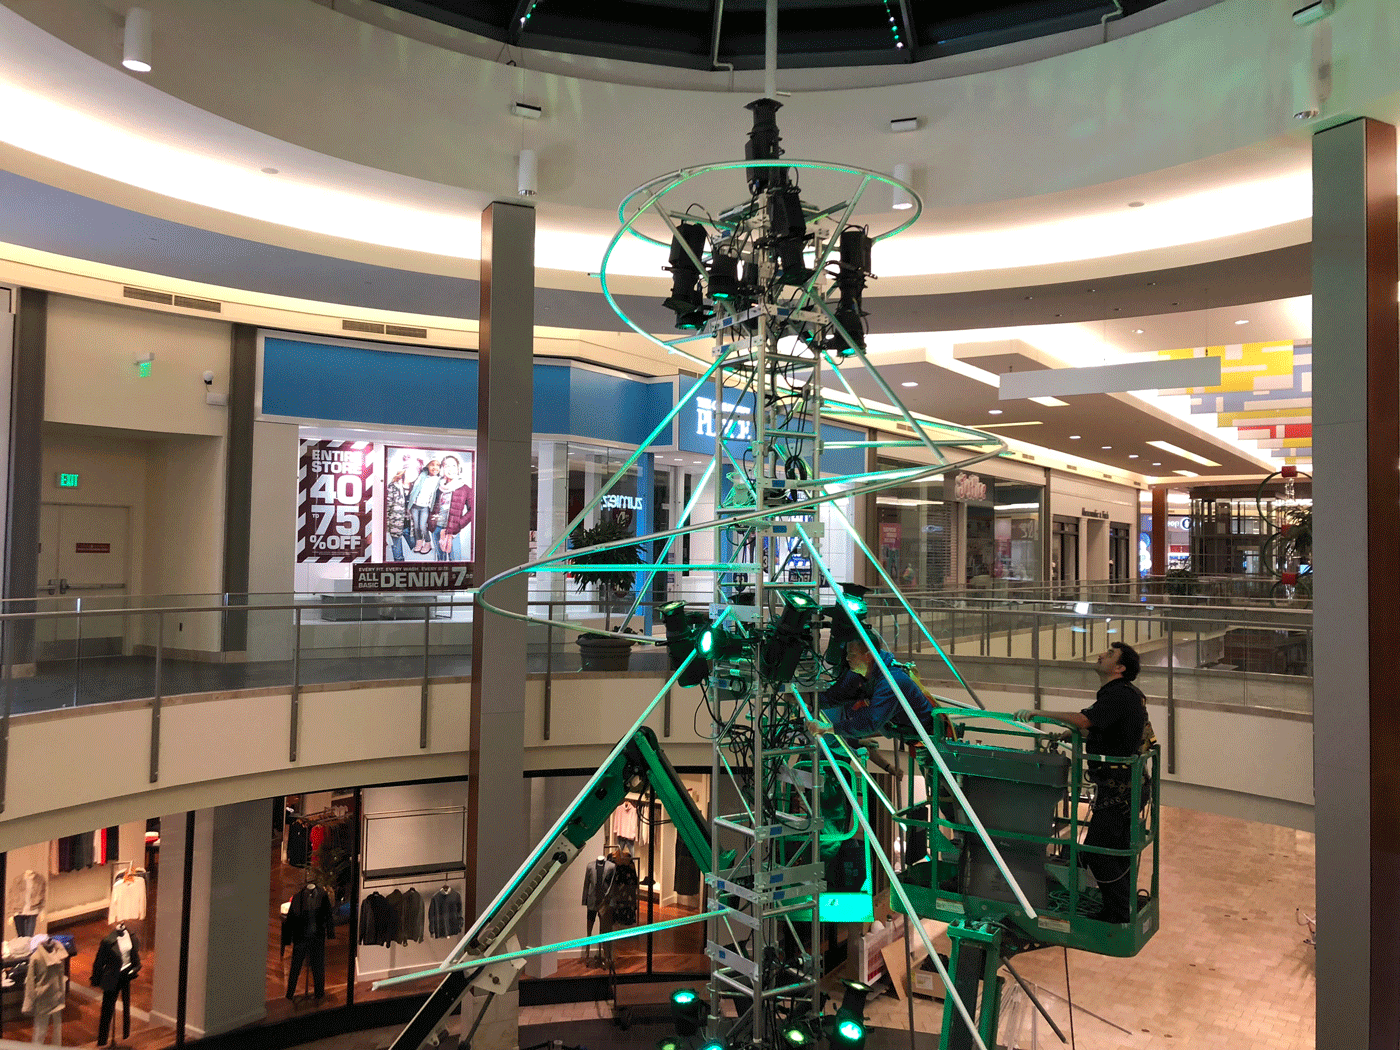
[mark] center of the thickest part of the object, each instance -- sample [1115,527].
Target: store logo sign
[738,419]
[969,487]
[613,502]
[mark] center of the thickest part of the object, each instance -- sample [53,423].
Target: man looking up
[1114,727]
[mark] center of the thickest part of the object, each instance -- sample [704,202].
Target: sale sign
[335,497]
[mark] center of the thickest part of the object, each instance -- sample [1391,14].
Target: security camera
[208,378]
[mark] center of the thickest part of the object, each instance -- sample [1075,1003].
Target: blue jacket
[857,708]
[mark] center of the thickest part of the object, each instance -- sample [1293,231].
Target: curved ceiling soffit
[306,75]
[40,217]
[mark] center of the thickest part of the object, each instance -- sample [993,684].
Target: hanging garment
[597,883]
[445,913]
[128,899]
[411,920]
[624,895]
[298,843]
[395,902]
[375,920]
[317,837]
[624,821]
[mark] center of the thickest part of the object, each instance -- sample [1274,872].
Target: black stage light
[787,231]
[853,1003]
[688,1011]
[682,636]
[841,617]
[686,300]
[724,276]
[763,145]
[789,637]
[848,1033]
[853,267]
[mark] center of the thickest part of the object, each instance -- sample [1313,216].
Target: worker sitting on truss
[862,704]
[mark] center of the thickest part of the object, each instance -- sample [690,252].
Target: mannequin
[117,962]
[312,924]
[597,884]
[27,893]
[46,990]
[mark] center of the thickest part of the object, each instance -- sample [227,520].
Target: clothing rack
[445,877]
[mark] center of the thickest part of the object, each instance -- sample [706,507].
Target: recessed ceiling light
[1132,455]
[1156,464]
[1167,446]
[909,384]
[1106,447]
[1186,473]
[1136,204]
[1074,437]
[1050,402]
[993,411]
[1243,320]
[1137,331]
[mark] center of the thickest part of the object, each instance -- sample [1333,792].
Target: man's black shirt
[1116,719]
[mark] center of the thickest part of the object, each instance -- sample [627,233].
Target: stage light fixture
[853,1003]
[685,300]
[683,630]
[797,1037]
[668,1043]
[688,1011]
[787,229]
[840,617]
[763,145]
[853,267]
[789,637]
[724,276]
[849,1033]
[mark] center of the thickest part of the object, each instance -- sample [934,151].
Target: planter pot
[601,653]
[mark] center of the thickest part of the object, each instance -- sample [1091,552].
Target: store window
[1065,550]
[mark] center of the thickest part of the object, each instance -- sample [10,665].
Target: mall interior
[321,314]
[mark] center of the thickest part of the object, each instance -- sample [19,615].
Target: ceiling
[712,34]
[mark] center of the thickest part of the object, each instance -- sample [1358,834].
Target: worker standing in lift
[1116,726]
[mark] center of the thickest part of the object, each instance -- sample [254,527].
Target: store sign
[93,548]
[614,502]
[335,494]
[969,487]
[396,576]
[737,419]
[1086,512]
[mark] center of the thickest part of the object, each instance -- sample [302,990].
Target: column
[1159,530]
[26,447]
[238,492]
[229,905]
[1356,604]
[497,799]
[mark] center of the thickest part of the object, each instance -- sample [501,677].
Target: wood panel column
[1356,607]
[26,464]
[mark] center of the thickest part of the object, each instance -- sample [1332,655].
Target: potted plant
[599,652]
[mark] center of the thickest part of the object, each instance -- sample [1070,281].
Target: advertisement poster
[335,497]
[429,505]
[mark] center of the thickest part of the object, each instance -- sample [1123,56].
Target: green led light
[849,1030]
[707,642]
[798,600]
[683,996]
[143,369]
[668,1044]
[856,605]
[713,1044]
[796,1037]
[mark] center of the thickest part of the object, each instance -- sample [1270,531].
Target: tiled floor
[1228,969]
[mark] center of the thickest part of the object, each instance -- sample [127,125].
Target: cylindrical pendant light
[527,181]
[902,199]
[136,40]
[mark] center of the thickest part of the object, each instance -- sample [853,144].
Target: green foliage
[608,530]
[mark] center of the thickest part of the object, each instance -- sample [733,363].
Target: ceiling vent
[148,296]
[189,302]
[370,327]
[407,331]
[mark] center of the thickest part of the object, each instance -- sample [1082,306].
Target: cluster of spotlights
[707,270]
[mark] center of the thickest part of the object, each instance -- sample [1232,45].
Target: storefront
[963,530]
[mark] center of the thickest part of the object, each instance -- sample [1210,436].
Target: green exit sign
[68,481]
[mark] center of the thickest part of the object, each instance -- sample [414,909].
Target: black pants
[109,1009]
[312,951]
[1111,828]
[24,925]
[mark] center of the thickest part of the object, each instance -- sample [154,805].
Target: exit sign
[68,481]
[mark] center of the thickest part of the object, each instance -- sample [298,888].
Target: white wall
[92,378]
[1071,495]
[272,528]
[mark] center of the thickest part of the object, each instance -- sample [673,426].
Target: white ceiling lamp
[903,200]
[527,174]
[136,40]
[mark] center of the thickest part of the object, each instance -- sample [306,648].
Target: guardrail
[1196,590]
[116,648]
